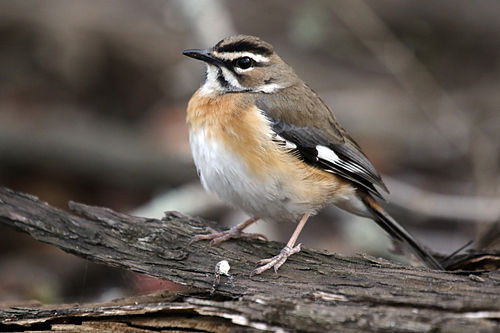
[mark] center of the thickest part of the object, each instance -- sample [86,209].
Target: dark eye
[244,62]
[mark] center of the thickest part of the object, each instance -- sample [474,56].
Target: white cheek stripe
[229,77]
[211,84]
[236,55]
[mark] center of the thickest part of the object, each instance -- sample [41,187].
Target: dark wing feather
[348,164]
[338,153]
[304,124]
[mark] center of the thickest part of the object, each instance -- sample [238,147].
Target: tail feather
[394,229]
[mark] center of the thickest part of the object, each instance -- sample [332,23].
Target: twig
[449,119]
[454,207]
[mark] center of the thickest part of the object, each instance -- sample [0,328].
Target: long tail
[386,222]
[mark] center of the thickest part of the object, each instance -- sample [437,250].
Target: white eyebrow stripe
[236,55]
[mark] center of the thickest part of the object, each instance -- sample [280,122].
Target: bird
[264,142]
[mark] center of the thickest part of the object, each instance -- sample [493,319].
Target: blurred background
[92,109]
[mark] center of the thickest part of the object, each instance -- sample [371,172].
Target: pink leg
[287,251]
[234,232]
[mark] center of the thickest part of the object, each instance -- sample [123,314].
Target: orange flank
[235,122]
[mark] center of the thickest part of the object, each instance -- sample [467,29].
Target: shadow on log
[314,292]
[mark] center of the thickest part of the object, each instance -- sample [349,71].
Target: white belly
[223,173]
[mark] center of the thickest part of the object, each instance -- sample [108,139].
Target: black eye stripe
[230,63]
[244,46]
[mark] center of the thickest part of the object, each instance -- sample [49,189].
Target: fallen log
[315,291]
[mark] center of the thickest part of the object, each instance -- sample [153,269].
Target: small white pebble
[222,267]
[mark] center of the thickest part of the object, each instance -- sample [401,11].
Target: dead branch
[447,206]
[105,154]
[314,291]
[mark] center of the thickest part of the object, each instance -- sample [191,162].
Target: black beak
[203,55]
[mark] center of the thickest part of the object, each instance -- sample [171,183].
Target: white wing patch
[288,144]
[325,153]
[342,159]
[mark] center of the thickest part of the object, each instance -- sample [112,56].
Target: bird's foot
[277,260]
[219,237]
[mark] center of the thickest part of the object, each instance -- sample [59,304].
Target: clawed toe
[212,234]
[235,232]
[219,237]
[277,260]
[253,236]
[222,237]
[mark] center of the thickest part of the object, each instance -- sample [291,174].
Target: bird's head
[243,64]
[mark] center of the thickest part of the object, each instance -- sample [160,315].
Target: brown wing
[310,127]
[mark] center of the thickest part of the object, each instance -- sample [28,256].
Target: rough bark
[313,291]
